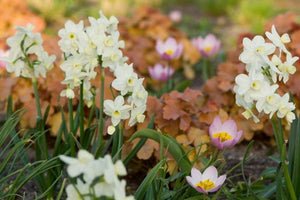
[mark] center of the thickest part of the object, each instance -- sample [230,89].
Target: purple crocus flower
[207,46]
[224,135]
[158,72]
[170,49]
[206,182]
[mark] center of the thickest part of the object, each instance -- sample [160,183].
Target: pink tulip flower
[158,72]
[208,46]
[206,182]
[170,49]
[224,135]
[3,54]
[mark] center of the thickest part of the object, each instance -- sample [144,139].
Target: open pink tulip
[170,49]
[207,46]
[224,135]
[158,72]
[206,182]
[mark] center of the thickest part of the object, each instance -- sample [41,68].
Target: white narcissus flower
[120,191]
[287,68]
[255,54]
[137,115]
[139,94]
[69,93]
[77,166]
[70,37]
[268,103]
[78,192]
[126,79]
[252,87]
[285,108]
[23,44]
[116,109]
[279,41]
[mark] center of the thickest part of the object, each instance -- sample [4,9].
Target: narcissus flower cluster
[99,177]
[265,68]
[87,47]
[98,45]
[27,57]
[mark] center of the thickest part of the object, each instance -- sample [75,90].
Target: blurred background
[225,18]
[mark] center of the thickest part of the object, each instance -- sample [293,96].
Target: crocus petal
[200,189]
[210,173]
[191,181]
[229,127]
[196,174]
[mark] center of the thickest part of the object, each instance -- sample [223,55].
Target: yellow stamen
[72,36]
[255,85]
[206,185]
[169,52]
[223,136]
[207,48]
[116,114]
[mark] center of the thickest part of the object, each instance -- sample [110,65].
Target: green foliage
[173,147]
[293,155]
[13,164]
[253,14]
[217,7]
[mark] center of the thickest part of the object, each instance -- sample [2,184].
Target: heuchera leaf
[173,147]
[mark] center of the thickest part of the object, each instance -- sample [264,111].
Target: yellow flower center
[271,99]
[169,52]
[259,49]
[207,48]
[130,82]
[108,42]
[114,57]
[223,136]
[255,85]
[72,36]
[116,114]
[206,185]
[140,94]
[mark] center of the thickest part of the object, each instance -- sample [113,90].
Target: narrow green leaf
[146,184]
[173,147]
[296,161]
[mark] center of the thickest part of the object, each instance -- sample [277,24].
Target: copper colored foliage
[16,13]
[177,114]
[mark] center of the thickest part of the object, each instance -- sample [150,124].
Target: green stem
[81,116]
[282,152]
[279,141]
[287,176]
[120,140]
[101,117]
[213,158]
[37,99]
[71,124]
[204,71]
[40,122]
